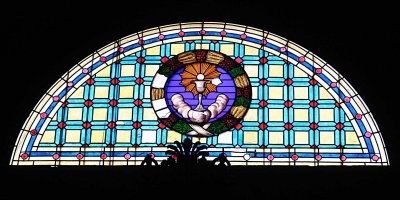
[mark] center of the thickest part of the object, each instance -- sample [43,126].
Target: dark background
[41,43]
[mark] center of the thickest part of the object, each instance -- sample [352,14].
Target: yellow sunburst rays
[192,73]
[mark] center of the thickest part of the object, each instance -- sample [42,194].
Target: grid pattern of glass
[302,111]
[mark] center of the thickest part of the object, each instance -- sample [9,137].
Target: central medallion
[201,93]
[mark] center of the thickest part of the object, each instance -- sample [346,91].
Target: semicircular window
[252,96]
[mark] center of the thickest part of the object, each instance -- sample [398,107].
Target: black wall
[42,43]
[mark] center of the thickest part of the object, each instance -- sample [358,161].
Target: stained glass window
[273,103]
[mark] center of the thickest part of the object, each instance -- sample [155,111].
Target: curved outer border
[351,102]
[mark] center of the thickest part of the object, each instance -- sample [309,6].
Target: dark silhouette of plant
[148,160]
[186,153]
[171,161]
[222,160]
[203,161]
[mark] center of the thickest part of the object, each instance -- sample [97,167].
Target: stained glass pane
[260,100]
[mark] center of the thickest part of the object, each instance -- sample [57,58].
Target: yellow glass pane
[299,73]
[232,40]
[127,70]
[301,115]
[227,49]
[275,70]
[275,115]
[48,136]
[351,138]
[275,137]
[177,49]
[251,51]
[326,114]
[153,51]
[78,93]
[126,92]
[173,136]
[275,92]
[276,38]
[74,113]
[151,70]
[251,115]
[301,92]
[73,136]
[150,31]
[104,72]
[326,137]
[125,114]
[360,103]
[99,113]
[301,137]
[123,136]
[41,162]
[202,46]
[97,136]
[324,94]
[251,70]
[250,137]
[148,114]
[56,86]
[200,139]
[101,92]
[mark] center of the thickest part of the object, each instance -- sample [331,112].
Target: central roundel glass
[224,86]
[201,93]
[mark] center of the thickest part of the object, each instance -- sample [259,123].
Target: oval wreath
[224,123]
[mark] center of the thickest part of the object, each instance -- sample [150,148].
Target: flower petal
[211,87]
[186,74]
[186,81]
[209,69]
[204,67]
[212,75]
[192,69]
